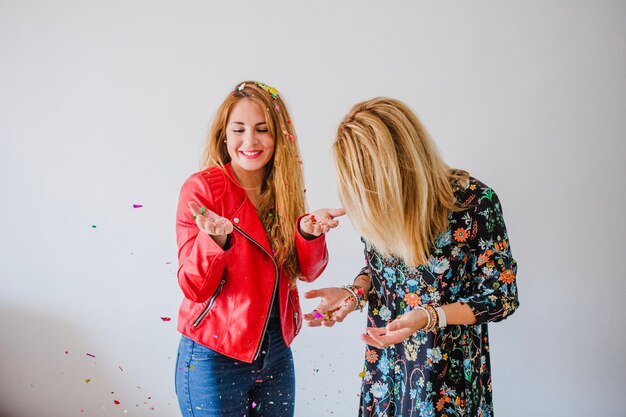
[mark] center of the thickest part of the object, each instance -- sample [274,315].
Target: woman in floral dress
[438,268]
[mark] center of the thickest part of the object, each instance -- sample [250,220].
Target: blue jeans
[209,384]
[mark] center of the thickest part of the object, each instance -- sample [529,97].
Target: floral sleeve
[493,269]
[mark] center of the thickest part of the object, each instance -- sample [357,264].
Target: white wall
[105,104]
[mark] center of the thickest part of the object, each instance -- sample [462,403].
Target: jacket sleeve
[312,255]
[493,269]
[201,261]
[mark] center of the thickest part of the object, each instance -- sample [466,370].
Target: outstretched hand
[320,221]
[396,331]
[208,222]
[335,304]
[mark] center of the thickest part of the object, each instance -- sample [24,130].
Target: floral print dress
[444,373]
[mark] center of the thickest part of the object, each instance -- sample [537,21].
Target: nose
[250,137]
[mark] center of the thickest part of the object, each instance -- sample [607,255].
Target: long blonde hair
[282,193]
[392,182]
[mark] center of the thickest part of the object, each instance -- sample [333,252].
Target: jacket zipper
[258,349]
[210,304]
[295,312]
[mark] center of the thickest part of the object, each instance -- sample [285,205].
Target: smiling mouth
[251,154]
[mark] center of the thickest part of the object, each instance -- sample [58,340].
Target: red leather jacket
[228,292]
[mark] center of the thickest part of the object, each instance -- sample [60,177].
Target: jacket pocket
[196,322]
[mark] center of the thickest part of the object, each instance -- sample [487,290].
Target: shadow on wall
[47,369]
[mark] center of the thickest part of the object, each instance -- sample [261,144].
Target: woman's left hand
[319,221]
[396,331]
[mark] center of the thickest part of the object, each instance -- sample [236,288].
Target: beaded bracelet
[356,293]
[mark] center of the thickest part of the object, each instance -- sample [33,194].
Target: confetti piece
[166,318]
[87,380]
[89,354]
[121,368]
[137,205]
[167,263]
[93,226]
[253,404]
[116,402]
[317,315]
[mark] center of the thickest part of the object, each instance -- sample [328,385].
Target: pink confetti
[166,318]
[137,205]
[89,354]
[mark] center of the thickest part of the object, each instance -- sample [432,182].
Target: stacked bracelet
[357,294]
[435,315]
[441,317]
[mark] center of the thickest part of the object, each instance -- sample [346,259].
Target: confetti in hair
[271,90]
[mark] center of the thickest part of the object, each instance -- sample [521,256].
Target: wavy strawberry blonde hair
[392,182]
[282,192]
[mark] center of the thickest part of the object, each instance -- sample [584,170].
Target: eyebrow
[242,123]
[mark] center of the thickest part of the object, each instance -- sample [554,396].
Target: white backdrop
[105,104]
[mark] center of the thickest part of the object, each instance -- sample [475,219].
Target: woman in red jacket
[243,241]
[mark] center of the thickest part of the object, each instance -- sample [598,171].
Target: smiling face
[250,144]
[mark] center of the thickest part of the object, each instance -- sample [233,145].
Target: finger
[194,207]
[378,338]
[314,293]
[311,321]
[343,312]
[328,323]
[338,212]
[332,223]
[228,227]
[367,339]
[316,229]
[325,228]
[376,331]
[397,324]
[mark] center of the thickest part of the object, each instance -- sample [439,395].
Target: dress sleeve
[201,261]
[493,269]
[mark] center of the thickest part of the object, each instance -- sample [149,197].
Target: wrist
[357,294]
[304,234]
[220,240]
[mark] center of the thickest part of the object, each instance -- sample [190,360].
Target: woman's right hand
[335,304]
[210,223]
